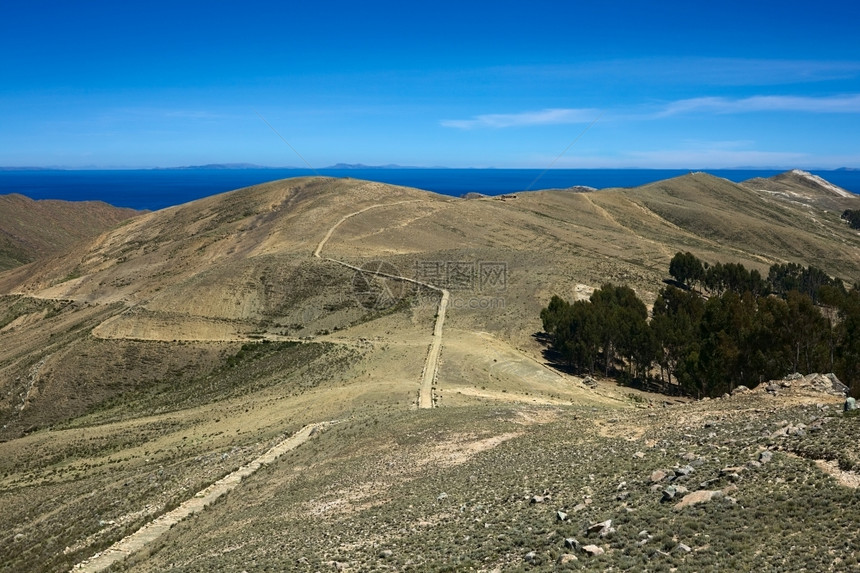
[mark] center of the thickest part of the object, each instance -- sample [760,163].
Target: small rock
[732,471]
[593,550]
[658,475]
[579,507]
[850,404]
[684,471]
[571,543]
[566,558]
[669,493]
[562,516]
[639,455]
[386,553]
[537,499]
[765,456]
[683,548]
[441,496]
[530,557]
[780,433]
[740,390]
[19,537]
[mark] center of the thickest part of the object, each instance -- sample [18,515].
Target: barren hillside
[164,354]
[30,229]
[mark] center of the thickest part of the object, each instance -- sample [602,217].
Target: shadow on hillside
[555,360]
[677,284]
[552,357]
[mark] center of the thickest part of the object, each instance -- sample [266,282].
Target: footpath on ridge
[150,532]
[431,363]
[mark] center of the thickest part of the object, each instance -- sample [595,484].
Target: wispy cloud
[554,116]
[830,104]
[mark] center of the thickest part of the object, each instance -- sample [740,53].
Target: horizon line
[394,167]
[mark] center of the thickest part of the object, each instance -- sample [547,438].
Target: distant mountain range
[339,166]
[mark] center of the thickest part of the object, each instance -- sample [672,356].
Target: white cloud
[554,116]
[830,104]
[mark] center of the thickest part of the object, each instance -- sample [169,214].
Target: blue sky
[482,84]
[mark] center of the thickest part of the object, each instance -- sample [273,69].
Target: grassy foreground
[480,487]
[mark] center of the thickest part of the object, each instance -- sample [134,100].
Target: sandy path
[157,527]
[431,364]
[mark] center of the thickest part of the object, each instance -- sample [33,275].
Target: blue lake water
[155,189]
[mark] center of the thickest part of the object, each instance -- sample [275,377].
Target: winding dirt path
[431,364]
[157,527]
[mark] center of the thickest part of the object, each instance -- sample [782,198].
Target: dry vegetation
[149,362]
[30,230]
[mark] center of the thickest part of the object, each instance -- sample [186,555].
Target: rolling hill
[147,363]
[30,229]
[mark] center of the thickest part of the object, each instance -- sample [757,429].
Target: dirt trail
[157,527]
[431,364]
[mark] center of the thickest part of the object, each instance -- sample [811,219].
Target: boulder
[658,476]
[571,543]
[826,384]
[593,550]
[602,529]
[697,497]
[765,456]
[850,404]
[566,558]
[837,385]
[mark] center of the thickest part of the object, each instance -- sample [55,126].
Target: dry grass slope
[30,229]
[160,356]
